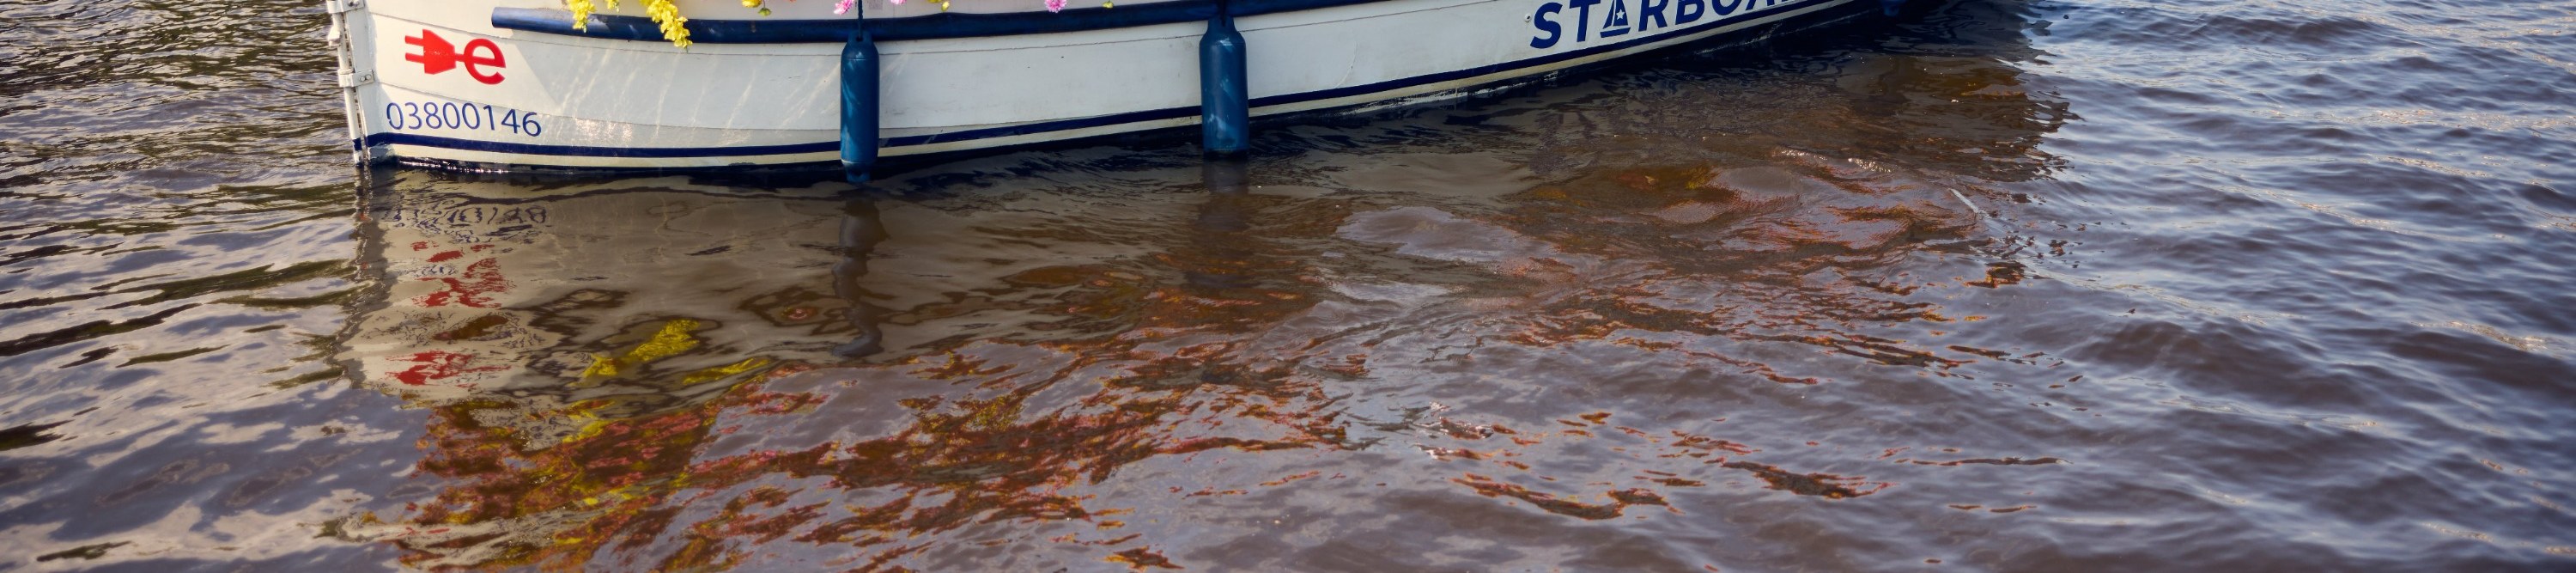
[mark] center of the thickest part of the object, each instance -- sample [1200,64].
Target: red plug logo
[437,56]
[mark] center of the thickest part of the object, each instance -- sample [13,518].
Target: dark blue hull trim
[895,143]
[931,27]
[585,151]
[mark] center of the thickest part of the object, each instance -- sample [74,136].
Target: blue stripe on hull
[893,143]
[375,139]
[935,26]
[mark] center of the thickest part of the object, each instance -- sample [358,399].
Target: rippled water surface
[2046,285]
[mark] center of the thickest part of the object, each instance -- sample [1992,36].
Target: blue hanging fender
[1225,100]
[859,102]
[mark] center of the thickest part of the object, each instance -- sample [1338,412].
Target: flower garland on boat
[667,15]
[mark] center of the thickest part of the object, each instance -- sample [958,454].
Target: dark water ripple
[2023,285]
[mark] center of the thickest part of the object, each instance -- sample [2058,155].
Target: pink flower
[1055,5]
[843,7]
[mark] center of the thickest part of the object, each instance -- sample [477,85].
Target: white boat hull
[439,82]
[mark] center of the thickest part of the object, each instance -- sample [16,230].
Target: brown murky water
[2061,285]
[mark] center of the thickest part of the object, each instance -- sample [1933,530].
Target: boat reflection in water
[861,230]
[1043,361]
[599,358]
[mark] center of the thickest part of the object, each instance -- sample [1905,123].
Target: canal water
[2022,285]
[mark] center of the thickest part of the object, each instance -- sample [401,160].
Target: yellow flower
[668,15]
[581,10]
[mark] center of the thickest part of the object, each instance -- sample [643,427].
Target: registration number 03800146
[410,116]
